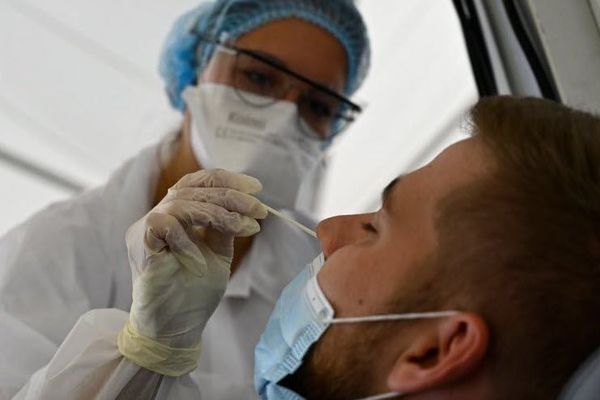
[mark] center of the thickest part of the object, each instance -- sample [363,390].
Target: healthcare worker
[263,87]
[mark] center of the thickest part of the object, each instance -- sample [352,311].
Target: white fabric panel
[85,98]
[79,91]
[33,143]
[22,195]
[596,9]
[125,33]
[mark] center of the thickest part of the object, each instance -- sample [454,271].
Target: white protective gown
[71,258]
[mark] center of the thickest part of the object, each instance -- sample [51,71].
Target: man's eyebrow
[388,190]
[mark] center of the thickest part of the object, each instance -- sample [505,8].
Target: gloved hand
[180,255]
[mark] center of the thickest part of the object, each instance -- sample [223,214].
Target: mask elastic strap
[389,395]
[391,317]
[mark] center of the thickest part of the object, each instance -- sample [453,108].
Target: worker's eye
[258,79]
[319,109]
[367,226]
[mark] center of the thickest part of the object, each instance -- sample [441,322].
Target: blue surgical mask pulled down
[301,316]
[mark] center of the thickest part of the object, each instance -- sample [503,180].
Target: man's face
[374,265]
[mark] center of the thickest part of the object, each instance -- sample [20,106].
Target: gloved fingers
[216,241]
[229,199]
[163,232]
[191,214]
[220,178]
[157,227]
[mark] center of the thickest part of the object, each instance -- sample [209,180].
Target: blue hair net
[182,56]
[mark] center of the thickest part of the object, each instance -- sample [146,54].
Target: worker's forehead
[301,46]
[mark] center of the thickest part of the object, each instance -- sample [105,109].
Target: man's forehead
[459,163]
[460,158]
[463,148]
[280,40]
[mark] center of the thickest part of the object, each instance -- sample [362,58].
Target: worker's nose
[293,95]
[337,232]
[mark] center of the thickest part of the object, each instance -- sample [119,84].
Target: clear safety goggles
[322,112]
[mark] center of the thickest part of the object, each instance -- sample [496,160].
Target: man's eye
[367,226]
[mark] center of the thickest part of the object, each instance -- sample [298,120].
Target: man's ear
[442,352]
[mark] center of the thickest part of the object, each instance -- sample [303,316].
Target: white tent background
[80,93]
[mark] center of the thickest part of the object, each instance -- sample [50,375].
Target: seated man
[477,279]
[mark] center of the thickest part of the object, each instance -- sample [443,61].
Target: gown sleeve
[52,270]
[88,365]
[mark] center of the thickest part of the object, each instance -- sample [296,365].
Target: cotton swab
[291,221]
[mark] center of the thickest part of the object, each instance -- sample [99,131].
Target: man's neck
[477,386]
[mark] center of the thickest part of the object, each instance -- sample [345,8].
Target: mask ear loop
[392,317]
[390,395]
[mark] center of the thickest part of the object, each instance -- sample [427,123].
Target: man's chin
[300,381]
[331,370]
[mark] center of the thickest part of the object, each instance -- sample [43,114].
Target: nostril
[320,230]
[328,232]
[328,246]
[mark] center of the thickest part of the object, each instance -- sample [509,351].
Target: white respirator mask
[263,142]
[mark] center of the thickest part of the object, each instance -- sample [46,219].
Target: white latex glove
[180,255]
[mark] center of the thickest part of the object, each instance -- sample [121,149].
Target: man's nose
[337,232]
